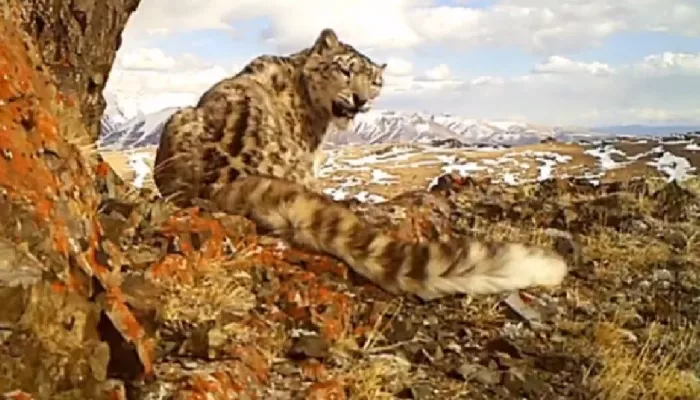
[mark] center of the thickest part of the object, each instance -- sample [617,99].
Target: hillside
[380,171]
[626,314]
[110,292]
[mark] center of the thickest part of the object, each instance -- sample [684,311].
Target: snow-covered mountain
[139,131]
[383,126]
[375,126]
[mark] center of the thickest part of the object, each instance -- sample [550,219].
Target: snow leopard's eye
[345,69]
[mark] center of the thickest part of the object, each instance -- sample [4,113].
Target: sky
[554,62]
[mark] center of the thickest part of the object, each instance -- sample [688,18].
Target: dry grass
[634,169]
[415,169]
[378,377]
[650,372]
[378,373]
[650,366]
[215,288]
[645,367]
[624,250]
[505,231]
[692,184]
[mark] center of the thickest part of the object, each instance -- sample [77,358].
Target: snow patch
[604,156]
[367,197]
[137,162]
[382,178]
[677,168]
[463,169]
[510,179]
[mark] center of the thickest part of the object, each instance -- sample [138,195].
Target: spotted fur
[248,147]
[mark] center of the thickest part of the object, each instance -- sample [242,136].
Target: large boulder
[78,40]
[63,311]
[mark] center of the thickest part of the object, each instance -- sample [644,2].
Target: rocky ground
[110,293]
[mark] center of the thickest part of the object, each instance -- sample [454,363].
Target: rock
[402,330]
[663,275]
[418,392]
[554,362]
[56,331]
[480,373]
[78,41]
[525,384]
[309,346]
[525,311]
[48,210]
[503,345]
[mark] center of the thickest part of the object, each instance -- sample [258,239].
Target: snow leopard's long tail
[432,270]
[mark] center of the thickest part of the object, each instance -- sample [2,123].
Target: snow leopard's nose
[358,100]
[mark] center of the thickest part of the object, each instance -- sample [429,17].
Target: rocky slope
[110,293]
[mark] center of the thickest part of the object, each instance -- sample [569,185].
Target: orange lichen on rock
[304,298]
[254,360]
[174,266]
[316,262]
[326,390]
[102,169]
[189,221]
[314,370]
[18,395]
[47,183]
[200,241]
[334,320]
[233,381]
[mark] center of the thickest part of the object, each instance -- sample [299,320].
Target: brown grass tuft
[378,377]
[651,372]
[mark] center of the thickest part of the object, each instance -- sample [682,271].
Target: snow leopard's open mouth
[342,109]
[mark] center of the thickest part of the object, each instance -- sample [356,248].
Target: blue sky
[652,53]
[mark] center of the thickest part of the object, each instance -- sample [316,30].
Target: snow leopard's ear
[327,40]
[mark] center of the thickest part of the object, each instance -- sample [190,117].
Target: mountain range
[120,132]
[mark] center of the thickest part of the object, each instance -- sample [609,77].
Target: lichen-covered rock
[78,40]
[49,229]
[54,343]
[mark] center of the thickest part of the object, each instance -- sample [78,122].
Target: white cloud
[563,65]
[401,79]
[564,91]
[657,88]
[542,26]
[398,66]
[149,59]
[438,73]
[671,63]
[557,90]
[148,80]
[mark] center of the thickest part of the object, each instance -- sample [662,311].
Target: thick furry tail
[429,271]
